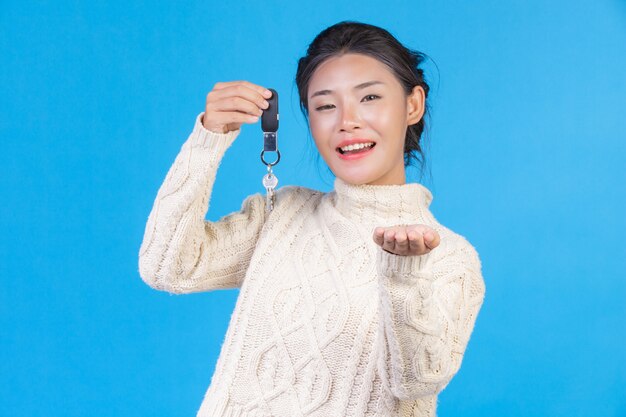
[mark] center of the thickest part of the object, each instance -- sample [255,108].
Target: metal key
[269,182]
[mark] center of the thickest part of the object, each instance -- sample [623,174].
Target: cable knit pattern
[326,323]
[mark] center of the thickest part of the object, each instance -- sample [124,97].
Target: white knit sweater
[327,323]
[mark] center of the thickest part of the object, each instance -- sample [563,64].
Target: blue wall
[526,143]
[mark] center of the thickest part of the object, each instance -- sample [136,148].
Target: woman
[355,302]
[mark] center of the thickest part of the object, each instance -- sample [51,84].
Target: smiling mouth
[356,148]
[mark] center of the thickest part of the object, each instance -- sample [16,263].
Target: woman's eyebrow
[357,87]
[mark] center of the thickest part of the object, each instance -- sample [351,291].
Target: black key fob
[269,119]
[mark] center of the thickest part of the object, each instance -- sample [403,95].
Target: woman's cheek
[321,140]
[326,121]
[378,116]
[316,123]
[321,129]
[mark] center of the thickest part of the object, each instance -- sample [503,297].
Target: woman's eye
[330,106]
[371,96]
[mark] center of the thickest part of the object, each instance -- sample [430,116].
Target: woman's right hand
[231,104]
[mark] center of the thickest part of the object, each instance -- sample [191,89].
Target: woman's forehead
[349,71]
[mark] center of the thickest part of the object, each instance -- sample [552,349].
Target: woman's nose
[350,118]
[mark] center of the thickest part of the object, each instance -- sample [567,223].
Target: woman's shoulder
[298,191]
[294,196]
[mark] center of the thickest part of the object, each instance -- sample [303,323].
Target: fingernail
[267,93]
[428,236]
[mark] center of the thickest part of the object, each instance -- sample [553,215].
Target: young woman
[355,302]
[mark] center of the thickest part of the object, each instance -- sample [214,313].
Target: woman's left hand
[411,240]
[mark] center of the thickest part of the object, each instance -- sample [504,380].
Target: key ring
[270,164]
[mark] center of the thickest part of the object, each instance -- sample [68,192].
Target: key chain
[269,125]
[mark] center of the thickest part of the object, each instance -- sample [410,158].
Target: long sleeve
[181,252]
[429,305]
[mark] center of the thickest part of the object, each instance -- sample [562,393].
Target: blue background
[526,148]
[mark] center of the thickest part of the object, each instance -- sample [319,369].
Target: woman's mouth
[355,150]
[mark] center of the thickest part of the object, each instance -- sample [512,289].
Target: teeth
[357,146]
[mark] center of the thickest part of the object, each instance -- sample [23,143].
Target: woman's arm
[429,304]
[181,252]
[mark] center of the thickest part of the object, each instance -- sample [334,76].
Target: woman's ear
[416,102]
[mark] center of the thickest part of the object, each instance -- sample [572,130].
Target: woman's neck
[384,204]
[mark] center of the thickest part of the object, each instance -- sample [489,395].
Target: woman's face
[358,115]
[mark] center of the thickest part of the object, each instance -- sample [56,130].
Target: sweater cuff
[401,266]
[204,138]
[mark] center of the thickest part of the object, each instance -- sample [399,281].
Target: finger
[216,96]
[402,242]
[229,84]
[389,240]
[416,242]
[235,103]
[260,89]
[379,234]
[431,239]
[224,118]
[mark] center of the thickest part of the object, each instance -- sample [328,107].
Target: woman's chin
[354,178]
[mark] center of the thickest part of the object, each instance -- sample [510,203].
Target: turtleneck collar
[383,205]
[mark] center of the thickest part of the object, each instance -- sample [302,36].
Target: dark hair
[355,37]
